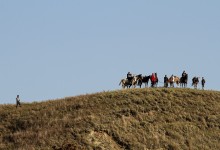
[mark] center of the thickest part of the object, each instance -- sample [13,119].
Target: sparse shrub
[133,112]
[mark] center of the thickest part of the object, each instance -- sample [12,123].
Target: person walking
[203,83]
[18,103]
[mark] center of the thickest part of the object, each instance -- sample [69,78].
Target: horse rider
[203,83]
[166,81]
[184,74]
[129,76]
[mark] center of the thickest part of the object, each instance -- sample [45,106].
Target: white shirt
[18,99]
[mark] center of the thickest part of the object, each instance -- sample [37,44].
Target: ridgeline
[132,119]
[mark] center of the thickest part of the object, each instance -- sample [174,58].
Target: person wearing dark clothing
[165,81]
[203,83]
[129,76]
[184,74]
[18,101]
[156,80]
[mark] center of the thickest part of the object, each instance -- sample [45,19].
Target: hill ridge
[149,118]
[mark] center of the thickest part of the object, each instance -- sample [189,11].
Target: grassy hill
[139,119]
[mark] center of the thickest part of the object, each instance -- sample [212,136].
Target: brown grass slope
[139,119]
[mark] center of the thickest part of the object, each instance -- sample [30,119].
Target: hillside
[139,119]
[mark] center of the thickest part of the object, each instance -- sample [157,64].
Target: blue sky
[54,49]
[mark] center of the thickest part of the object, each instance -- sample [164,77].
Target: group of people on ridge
[184,76]
[154,79]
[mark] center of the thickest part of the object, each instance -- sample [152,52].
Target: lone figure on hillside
[18,101]
[203,83]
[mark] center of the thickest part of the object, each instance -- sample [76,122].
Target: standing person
[18,101]
[172,81]
[203,83]
[153,79]
[156,79]
[165,81]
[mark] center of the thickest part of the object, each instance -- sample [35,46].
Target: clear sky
[54,49]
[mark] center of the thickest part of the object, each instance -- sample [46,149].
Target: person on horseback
[183,74]
[165,81]
[129,76]
[203,83]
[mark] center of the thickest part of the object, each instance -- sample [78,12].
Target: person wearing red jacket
[153,79]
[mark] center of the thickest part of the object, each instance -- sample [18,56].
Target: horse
[175,80]
[195,81]
[125,83]
[128,83]
[143,79]
[183,81]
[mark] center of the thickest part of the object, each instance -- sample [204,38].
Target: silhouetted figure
[129,76]
[166,81]
[156,80]
[184,79]
[203,83]
[18,103]
[184,73]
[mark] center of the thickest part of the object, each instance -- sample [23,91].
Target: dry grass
[139,119]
